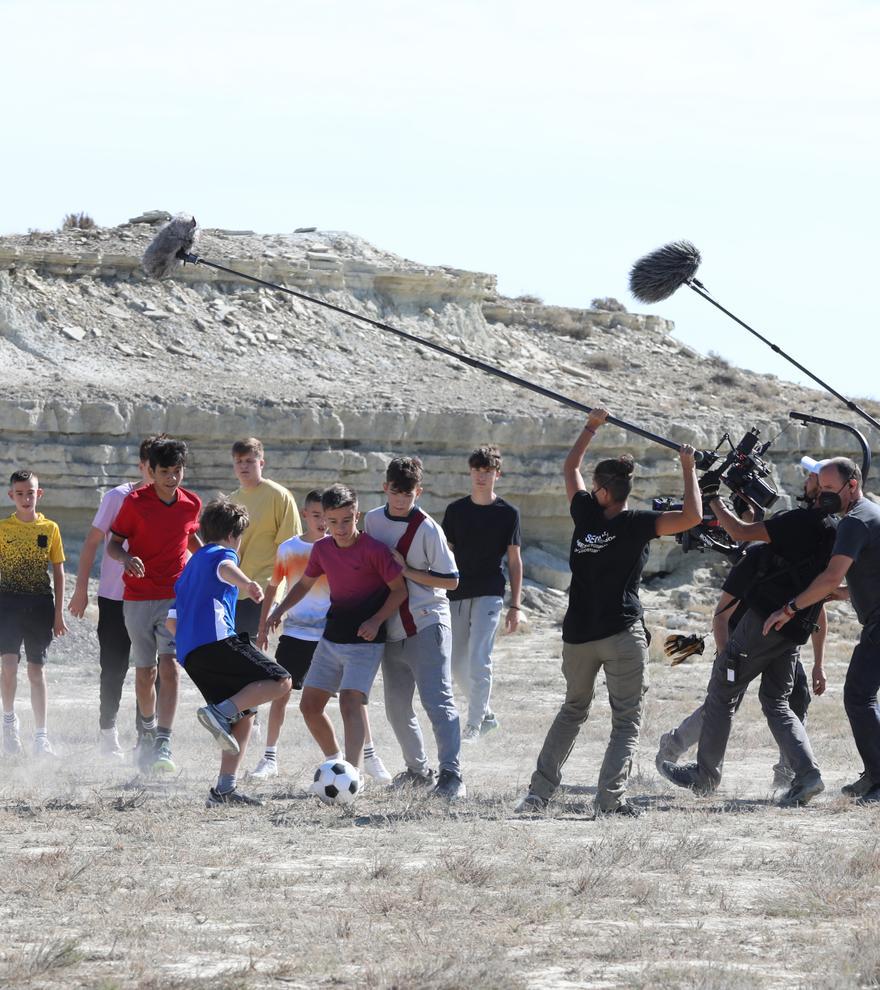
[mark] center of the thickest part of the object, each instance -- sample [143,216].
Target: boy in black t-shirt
[482,528]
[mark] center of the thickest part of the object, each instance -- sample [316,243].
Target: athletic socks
[271,754]
[335,757]
[41,733]
[8,718]
[225,783]
[148,724]
[229,709]
[163,733]
[369,751]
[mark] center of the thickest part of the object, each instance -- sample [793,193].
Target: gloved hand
[710,485]
[680,647]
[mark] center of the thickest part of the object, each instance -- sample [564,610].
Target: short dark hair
[846,468]
[223,519]
[251,445]
[338,497]
[147,445]
[614,474]
[167,453]
[404,473]
[487,457]
[313,496]
[23,475]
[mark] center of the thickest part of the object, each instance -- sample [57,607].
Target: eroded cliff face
[98,356]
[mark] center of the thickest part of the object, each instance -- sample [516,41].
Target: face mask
[830,503]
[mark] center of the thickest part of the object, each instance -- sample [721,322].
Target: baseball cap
[812,466]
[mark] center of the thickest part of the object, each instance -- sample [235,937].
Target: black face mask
[830,503]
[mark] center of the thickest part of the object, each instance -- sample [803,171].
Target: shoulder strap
[417,517]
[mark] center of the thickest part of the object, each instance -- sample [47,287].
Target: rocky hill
[99,355]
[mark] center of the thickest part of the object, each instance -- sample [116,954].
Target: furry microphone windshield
[656,276]
[168,247]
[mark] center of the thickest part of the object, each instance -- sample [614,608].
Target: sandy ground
[112,883]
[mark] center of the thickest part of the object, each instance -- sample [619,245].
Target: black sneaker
[410,778]
[530,804]
[234,796]
[802,791]
[449,786]
[858,788]
[684,775]
[624,809]
[870,797]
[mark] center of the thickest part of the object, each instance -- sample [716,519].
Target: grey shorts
[344,667]
[145,623]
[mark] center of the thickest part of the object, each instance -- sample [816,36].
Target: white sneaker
[42,746]
[264,769]
[374,766]
[109,745]
[11,738]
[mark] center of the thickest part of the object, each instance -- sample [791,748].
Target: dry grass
[111,886]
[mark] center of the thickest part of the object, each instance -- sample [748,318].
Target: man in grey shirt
[856,557]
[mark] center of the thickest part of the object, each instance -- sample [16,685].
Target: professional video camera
[744,472]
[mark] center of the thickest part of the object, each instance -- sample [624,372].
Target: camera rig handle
[863,443]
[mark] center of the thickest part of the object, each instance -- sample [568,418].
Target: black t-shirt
[800,547]
[480,536]
[607,557]
[739,580]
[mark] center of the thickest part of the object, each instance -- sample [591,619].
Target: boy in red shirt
[366,588]
[160,523]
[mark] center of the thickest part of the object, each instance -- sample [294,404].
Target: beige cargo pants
[624,659]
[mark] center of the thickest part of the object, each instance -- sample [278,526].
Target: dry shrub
[78,221]
[605,362]
[727,378]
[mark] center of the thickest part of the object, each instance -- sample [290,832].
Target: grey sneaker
[42,746]
[858,788]
[162,759]
[233,797]
[667,752]
[530,804]
[219,726]
[409,778]
[11,738]
[470,733]
[489,723]
[802,791]
[449,786]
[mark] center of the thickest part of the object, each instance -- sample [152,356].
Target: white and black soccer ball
[336,782]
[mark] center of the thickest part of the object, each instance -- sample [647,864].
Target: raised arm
[571,468]
[79,600]
[738,529]
[691,513]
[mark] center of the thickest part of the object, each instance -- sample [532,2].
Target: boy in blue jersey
[231,673]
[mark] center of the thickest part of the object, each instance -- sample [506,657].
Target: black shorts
[219,670]
[247,617]
[295,656]
[28,620]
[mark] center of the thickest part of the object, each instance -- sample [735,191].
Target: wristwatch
[790,608]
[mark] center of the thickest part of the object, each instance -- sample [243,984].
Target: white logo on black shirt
[594,542]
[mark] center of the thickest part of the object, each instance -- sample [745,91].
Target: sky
[552,144]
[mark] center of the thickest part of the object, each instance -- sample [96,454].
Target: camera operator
[800,543]
[856,557]
[603,627]
[729,610]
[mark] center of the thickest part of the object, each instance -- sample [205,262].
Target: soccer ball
[336,782]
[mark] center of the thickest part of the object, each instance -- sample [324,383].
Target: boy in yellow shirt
[29,542]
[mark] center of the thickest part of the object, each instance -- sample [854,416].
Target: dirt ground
[111,883]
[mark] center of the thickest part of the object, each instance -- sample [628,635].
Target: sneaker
[108,745]
[450,786]
[802,791]
[264,769]
[11,738]
[42,746]
[684,775]
[219,726]
[144,752]
[489,723]
[530,804]
[783,777]
[162,759]
[410,778]
[470,733]
[858,788]
[871,796]
[215,798]
[667,752]
[625,809]
[375,768]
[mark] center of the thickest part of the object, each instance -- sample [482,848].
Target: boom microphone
[171,247]
[657,275]
[167,249]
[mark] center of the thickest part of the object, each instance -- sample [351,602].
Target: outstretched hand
[686,454]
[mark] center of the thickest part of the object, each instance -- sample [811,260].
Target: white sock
[9,716]
[335,757]
[271,753]
[40,732]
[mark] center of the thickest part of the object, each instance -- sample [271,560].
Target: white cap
[811,466]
